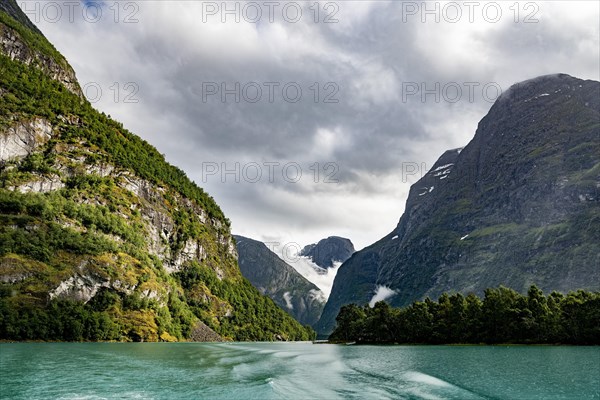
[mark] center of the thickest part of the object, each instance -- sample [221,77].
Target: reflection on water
[295,371]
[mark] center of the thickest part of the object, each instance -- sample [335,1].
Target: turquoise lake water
[295,371]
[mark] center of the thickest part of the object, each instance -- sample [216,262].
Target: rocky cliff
[519,205]
[273,277]
[100,238]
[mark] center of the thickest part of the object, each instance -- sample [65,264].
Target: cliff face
[273,277]
[100,238]
[519,205]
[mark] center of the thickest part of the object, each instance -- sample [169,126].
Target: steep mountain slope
[12,9]
[519,205]
[328,251]
[100,238]
[281,282]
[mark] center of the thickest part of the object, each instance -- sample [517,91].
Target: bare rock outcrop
[202,333]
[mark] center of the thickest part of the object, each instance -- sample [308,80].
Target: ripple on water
[295,371]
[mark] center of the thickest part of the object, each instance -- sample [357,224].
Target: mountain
[100,238]
[12,9]
[275,278]
[329,251]
[519,205]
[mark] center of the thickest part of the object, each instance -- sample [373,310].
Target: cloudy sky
[306,119]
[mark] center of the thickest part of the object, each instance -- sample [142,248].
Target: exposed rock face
[519,205]
[79,288]
[153,203]
[27,137]
[42,185]
[329,251]
[88,279]
[280,281]
[203,333]
[161,227]
[23,138]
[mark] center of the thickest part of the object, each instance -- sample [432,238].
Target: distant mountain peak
[328,251]
[275,278]
[541,85]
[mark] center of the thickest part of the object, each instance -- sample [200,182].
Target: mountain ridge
[275,278]
[515,203]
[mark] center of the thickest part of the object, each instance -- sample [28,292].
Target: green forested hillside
[100,238]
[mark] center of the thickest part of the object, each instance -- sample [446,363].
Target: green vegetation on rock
[29,93]
[101,238]
[34,40]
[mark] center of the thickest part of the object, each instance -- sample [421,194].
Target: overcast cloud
[370,61]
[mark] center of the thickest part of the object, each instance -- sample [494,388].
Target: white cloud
[381,293]
[323,279]
[288,300]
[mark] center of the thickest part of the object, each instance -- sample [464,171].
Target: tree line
[502,316]
[116,316]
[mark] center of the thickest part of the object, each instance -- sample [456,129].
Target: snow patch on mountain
[442,167]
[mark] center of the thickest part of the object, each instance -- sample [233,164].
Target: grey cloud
[370,133]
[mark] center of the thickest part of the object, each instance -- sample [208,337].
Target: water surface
[295,371]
